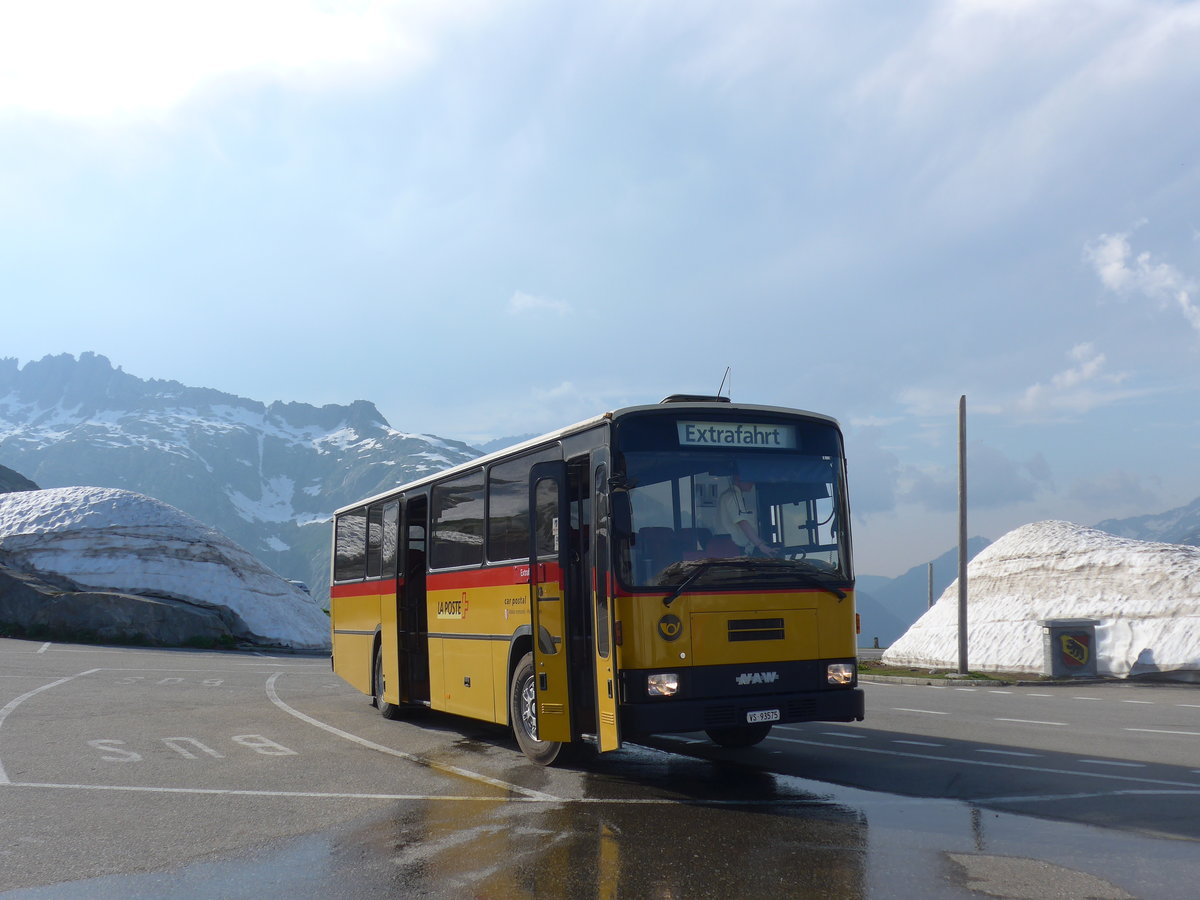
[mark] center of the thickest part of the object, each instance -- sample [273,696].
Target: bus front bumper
[676,716]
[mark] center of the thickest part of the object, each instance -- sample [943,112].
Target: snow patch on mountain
[1145,596]
[115,540]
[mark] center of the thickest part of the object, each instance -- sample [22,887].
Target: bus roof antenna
[728,372]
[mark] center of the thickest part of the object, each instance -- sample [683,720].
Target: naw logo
[748,678]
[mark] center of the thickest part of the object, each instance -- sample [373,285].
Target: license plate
[763,715]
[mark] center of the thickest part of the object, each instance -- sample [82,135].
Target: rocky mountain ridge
[14,481]
[266,475]
[1175,526]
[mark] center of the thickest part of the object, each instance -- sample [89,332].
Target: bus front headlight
[840,673]
[662,684]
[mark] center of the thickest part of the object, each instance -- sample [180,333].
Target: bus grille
[801,709]
[717,716]
[756,629]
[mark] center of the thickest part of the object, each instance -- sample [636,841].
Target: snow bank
[114,540]
[1145,595]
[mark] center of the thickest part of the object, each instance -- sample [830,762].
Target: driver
[739,517]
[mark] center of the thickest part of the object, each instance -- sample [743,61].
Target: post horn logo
[669,627]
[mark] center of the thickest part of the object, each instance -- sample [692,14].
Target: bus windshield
[713,515]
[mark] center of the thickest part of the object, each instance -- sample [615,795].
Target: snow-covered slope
[1145,595]
[116,540]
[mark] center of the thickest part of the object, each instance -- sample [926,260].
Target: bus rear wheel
[522,710]
[387,710]
[740,735]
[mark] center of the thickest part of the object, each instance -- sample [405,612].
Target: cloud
[521,303]
[993,480]
[85,60]
[1126,275]
[880,481]
[1082,387]
[874,471]
[1115,489]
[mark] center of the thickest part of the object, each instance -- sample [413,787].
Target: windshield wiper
[773,567]
[692,576]
[815,581]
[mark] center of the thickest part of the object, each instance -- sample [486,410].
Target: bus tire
[387,710]
[522,711]
[739,735]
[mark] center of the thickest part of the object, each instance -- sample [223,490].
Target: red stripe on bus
[499,576]
[364,588]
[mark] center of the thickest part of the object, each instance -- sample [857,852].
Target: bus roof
[561,433]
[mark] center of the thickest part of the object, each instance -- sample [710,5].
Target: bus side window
[457,538]
[508,506]
[350,546]
[391,537]
[374,541]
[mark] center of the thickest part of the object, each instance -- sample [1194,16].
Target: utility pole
[962,535]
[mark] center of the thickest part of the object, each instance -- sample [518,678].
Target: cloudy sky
[493,218]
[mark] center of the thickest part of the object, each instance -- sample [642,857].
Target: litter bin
[1069,647]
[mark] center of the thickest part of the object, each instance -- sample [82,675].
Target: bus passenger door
[412,619]
[608,732]
[549,571]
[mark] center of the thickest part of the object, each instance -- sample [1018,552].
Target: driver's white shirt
[739,506]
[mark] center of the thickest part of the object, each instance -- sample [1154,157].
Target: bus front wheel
[522,710]
[739,736]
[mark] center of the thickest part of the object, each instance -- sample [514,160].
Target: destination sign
[748,435]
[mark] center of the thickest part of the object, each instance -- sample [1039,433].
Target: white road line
[929,712]
[1080,773]
[13,704]
[1148,702]
[1030,722]
[1165,731]
[441,767]
[845,734]
[1189,705]
[919,743]
[1009,753]
[1110,762]
[1091,795]
[229,792]
[1039,695]
[44,647]
[1088,698]
[999,692]
[966,689]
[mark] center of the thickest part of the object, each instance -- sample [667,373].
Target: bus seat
[694,538]
[658,543]
[722,546]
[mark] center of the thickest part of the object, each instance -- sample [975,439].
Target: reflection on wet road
[658,825]
[150,775]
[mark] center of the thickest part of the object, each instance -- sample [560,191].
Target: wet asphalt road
[139,773]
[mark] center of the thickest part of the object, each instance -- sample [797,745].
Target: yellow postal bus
[671,568]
